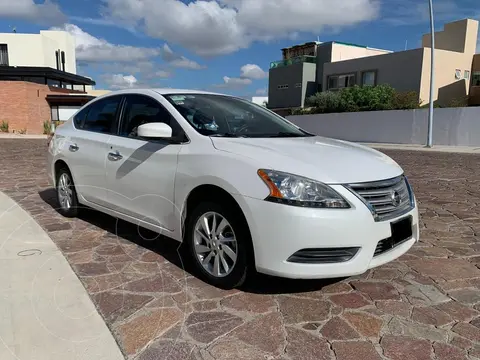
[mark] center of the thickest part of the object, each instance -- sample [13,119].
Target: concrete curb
[435,148]
[45,311]
[20,136]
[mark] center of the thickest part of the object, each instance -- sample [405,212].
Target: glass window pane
[476,78]
[101,115]
[54,110]
[332,82]
[368,78]
[54,83]
[143,110]
[227,116]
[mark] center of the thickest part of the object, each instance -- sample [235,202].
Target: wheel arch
[213,193]
[59,164]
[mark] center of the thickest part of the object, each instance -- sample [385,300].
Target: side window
[78,119]
[101,115]
[141,110]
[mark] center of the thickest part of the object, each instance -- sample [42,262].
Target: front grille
[323,256]
[386,245]
[386,199]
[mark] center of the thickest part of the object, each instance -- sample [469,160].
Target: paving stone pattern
[423,306]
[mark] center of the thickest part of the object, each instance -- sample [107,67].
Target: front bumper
[278,231]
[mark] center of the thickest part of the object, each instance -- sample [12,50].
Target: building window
[369,78]
[282,87]
[298,85]
[476,78]
[466,74]
[3,55]
[54,110]
[54,83]
[341,81]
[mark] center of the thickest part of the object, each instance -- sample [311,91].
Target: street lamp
[432,77]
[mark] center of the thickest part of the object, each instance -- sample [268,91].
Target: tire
[64,178]
[238,269]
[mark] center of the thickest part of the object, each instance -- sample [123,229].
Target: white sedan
[243,188]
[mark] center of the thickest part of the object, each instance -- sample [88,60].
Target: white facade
[260,100]
[40,49]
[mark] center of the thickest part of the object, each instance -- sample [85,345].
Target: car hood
[323,159]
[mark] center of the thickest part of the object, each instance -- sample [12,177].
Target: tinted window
[141,110]
[78,118]
[101,115]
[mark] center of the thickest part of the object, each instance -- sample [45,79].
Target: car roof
[161,91]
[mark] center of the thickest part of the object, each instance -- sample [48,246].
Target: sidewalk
[45,312]
[435,148]
[21,136]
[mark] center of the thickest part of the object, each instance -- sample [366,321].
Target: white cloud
[120,81]
[162,74]
[224,26]
[229,82]
[252,71]
[46,13]
[248,73]
[179,61]
[92,49]
[261,91]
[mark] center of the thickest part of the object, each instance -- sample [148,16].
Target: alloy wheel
[215,244]
[65,192]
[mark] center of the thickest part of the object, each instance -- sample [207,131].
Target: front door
[141,173]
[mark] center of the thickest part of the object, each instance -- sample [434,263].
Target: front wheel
[66,194]
[217,239]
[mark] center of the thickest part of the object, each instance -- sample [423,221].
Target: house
[333,66]
[38,80]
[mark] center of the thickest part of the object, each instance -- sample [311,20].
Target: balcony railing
[296,60]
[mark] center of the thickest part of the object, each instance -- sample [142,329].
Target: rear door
[141,173]
[88,150]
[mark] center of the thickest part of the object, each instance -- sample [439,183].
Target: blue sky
[222,45]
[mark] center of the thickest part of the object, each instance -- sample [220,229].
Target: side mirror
[154,130]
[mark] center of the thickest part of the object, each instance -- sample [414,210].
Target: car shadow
[172,251]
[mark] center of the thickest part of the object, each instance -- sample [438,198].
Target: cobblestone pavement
[423,306]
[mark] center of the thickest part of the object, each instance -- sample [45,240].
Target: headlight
[298,191]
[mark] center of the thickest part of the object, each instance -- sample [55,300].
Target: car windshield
[225,116]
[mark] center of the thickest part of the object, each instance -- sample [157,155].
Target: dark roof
[51,73]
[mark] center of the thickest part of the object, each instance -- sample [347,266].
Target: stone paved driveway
[423,306]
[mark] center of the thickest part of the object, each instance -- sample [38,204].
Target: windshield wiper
[229,135]
[286,134]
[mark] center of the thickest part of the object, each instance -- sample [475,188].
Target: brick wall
[24,106]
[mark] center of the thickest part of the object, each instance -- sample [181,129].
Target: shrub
[47,127]
[406,100]
[366,98]
[324,102]
[4,127]
[22,131]
[459,102]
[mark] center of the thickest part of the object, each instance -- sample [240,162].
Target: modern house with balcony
[39,81]
[300,72]
[313,67]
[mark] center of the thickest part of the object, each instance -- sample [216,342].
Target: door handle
[114,156]
[74,147]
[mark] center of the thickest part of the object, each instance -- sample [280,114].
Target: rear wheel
[66,194]
[217,239]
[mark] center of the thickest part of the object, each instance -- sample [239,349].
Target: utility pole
[432,77]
